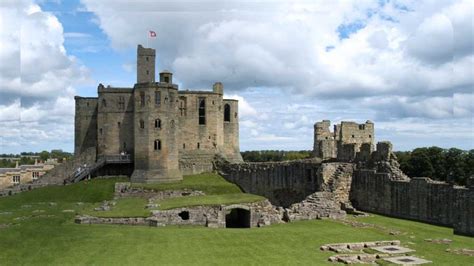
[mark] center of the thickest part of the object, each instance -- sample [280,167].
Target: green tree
[420,164]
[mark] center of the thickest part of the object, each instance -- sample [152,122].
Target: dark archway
[237,218]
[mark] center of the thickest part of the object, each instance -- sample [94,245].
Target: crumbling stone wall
[286,183]
[261,213]
[344,142]
[283,183]
[420,199]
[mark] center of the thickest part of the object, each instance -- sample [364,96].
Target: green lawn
[51,238]
[209,183]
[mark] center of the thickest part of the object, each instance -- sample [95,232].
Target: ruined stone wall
[418,199]
[115,121]
[344,142]
[85,124]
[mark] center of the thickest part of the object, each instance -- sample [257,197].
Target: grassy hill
[37,227]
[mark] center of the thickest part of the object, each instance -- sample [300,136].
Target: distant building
[166,132]
[22,174]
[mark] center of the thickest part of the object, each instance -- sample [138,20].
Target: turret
[145,65]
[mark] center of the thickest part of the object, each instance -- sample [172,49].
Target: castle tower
[145,65]
[155,130]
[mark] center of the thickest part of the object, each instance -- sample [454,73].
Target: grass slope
[50,237]
[218,191]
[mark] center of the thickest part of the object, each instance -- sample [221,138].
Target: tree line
[28,157]
[450,165]
[274,155]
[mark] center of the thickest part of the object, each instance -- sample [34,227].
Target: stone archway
[237,218]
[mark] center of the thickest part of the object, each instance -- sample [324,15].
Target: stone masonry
[167,131]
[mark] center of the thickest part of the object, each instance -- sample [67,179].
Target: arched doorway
[237,218]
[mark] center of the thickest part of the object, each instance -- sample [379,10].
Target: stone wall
[283,183]
[85,124]
[286,183]
[419,199]
[261,213]
[344,142]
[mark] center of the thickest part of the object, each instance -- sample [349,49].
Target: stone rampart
[420,199]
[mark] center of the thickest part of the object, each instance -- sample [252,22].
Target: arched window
[142,124]
[227,113]
[157,145]
[158,123]
[202,111]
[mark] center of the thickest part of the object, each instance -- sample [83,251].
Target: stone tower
[155,129]
[145,65]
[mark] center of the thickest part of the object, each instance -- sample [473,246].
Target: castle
[166,132]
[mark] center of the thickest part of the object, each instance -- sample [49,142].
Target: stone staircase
[316,206]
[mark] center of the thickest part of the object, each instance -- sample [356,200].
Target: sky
[406,65]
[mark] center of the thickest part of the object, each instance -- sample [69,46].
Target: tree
[44,155]
[419,163]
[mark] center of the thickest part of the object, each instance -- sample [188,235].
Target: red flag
[152,34]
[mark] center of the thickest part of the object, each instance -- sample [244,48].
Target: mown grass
[51,237]
[224,199]
[209,183]
[218,192]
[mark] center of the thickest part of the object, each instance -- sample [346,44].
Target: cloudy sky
[406,65]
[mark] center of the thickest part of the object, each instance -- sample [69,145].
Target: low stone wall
[125,189]
[259,214]
[418,199]
[20,188]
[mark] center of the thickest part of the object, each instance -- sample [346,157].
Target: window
[104,103]
[182,106]
[119,124]
[157,98]
[142,98]
[353,136]
[142,124]
[370,136]
[157,145]
[184,146]
[227,113]
[199,145]
[202,111]
[35,175]
[146,58]
[158,123]
[148,72]
[124,146]
[121,103]
[16,179]
[100,131]
[167,79]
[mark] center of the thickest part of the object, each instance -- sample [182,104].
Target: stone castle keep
[167,132]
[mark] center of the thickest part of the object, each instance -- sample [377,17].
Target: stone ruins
[155,133]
